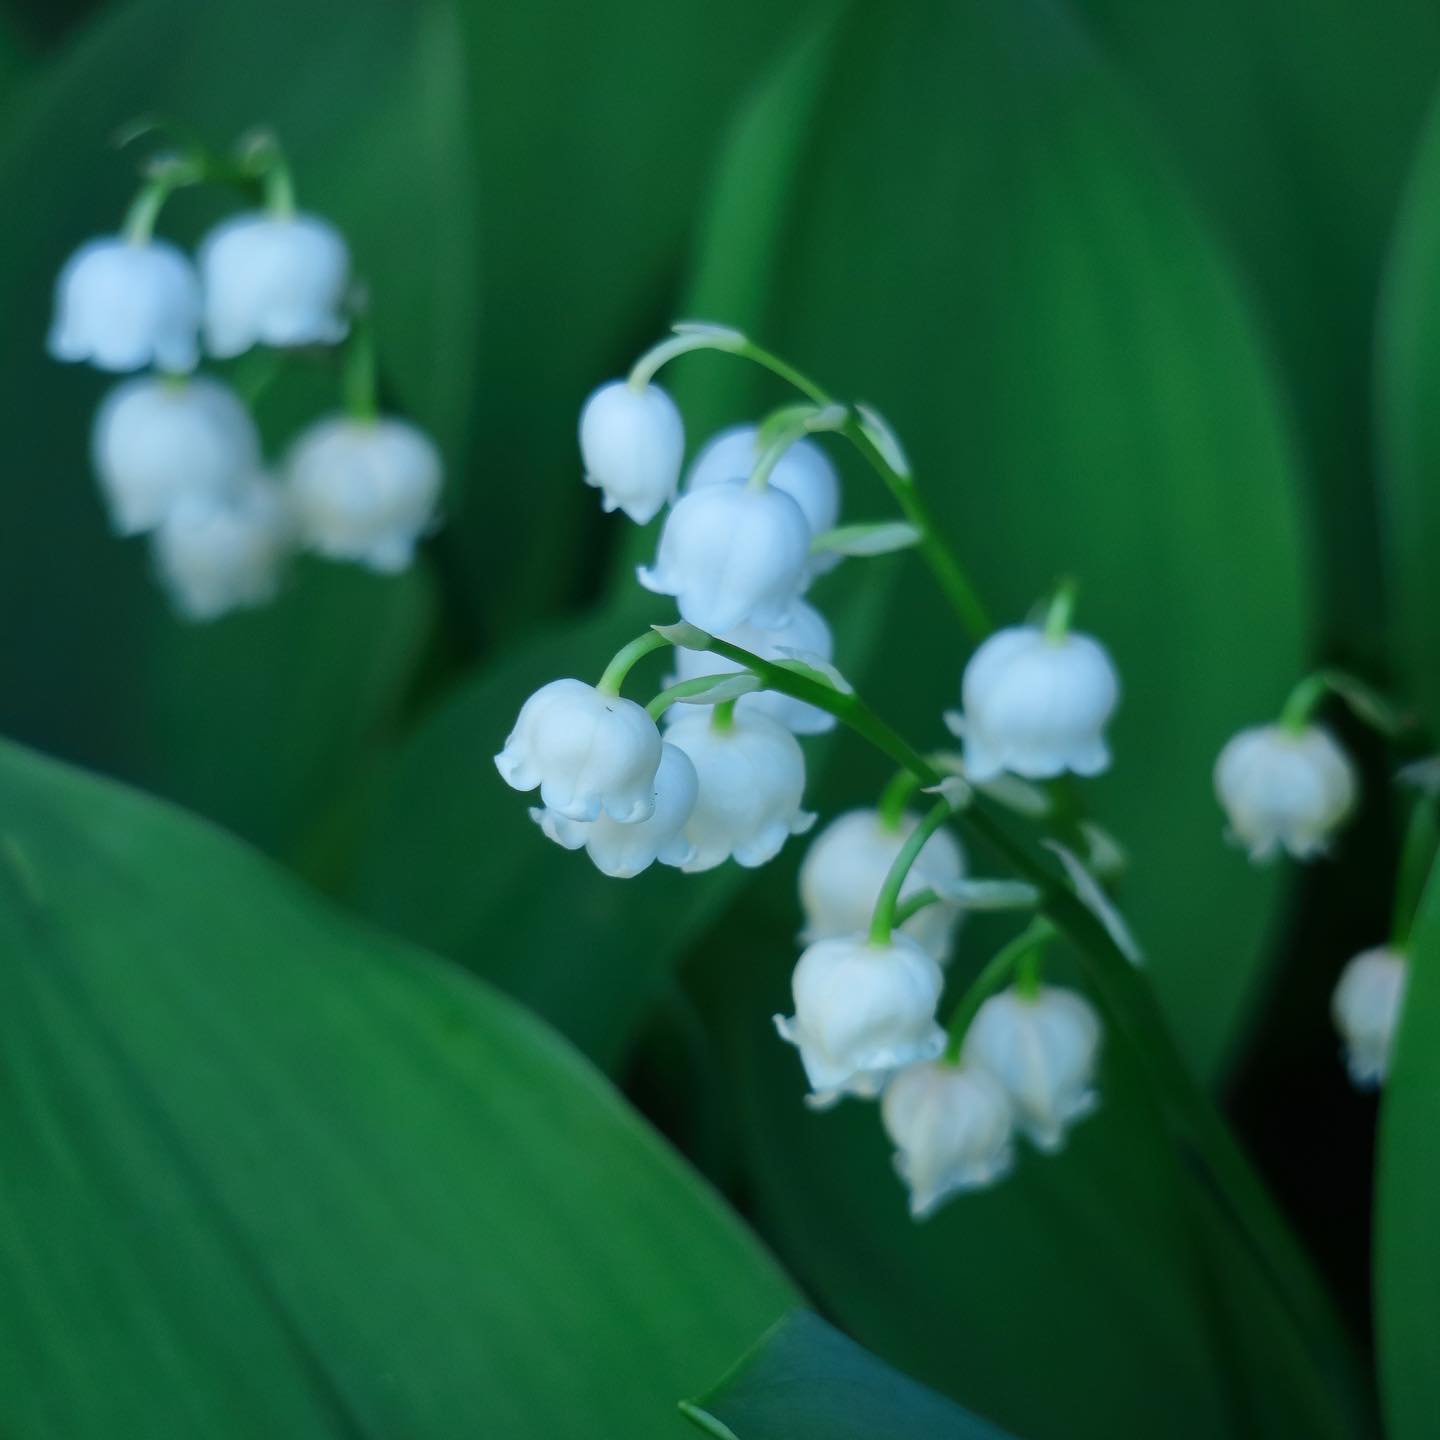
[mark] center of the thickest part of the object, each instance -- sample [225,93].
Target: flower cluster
[711,770]
[178,455]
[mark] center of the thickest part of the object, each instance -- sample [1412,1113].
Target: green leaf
[273,1173]
[806,1381]
[261,720]
[1407,1248]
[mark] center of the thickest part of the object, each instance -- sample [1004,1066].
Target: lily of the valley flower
[632,442]
[125,305]
[862,1011]
[951,1126]
[587,751]
[1366,1010]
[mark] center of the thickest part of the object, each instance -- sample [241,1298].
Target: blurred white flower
[626,850]
[364,490]
[631,443]
[862,1011]
[732,556]
[1043,1049]
[224,551]
[1366,1010]
[124,305]
[951,1126]
[586,750]
[1036,705]
[804,473]
[1282,787]
[845,868]
[159,438]
[805,634]
[752,780]
[273,280]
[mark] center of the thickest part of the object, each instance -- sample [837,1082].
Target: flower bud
[631,443]
[952,1126]
[862,1011]
[587,751]
[156,440]
[751,782]
[626,850]
[125,305]
[1366,1010]
[364,490]
[732,556]
[1036,705]
[1043,1049]
[222,552]
[273,280]
[804,636]
[845,868]
[803,472]
[1281,787]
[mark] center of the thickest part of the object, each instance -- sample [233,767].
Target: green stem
[994,977]
[895,797]
[626,659]
[1422,837]
[883,921]
[1302,702]
[359,379]
[722,717]
[683,690]
[1062,609]
[920,900]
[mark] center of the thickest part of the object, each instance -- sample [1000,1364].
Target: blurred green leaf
[270,1173]
[1409,372]
[1298,138]
[806,1381]
[984,241]
[1407,1243]
[261,719]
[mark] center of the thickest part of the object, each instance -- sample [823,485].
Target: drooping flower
[1036,705]
[1284,787]
[732,555]
[156,439]
[364,490]
[587,752]
[125,305]
[1043,1049]
[632,442]
[1366,1009]
[751,784]
[951,1126]
[845,868]
[273,280]
[804,636]
[626,850]
[862,1011]
[224,551]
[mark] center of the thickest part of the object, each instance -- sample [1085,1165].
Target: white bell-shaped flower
[1043,1049]
[845,868]
[1283,787]
[222,552]
[631,443]
[952,1127]
[732,555]
[626,850]
[803,472]
[364,490]
[125,305]
[862,1011]
[156,439]
[273,280]
[1366,1009]
[1036,705]
[752,780]
[587,751]
[805,636]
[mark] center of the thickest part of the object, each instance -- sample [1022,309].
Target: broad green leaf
[1297,137]
[984,240]
[806,1381]
[271,1173]
[261,720]
[1409,370]
[1407,1247]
